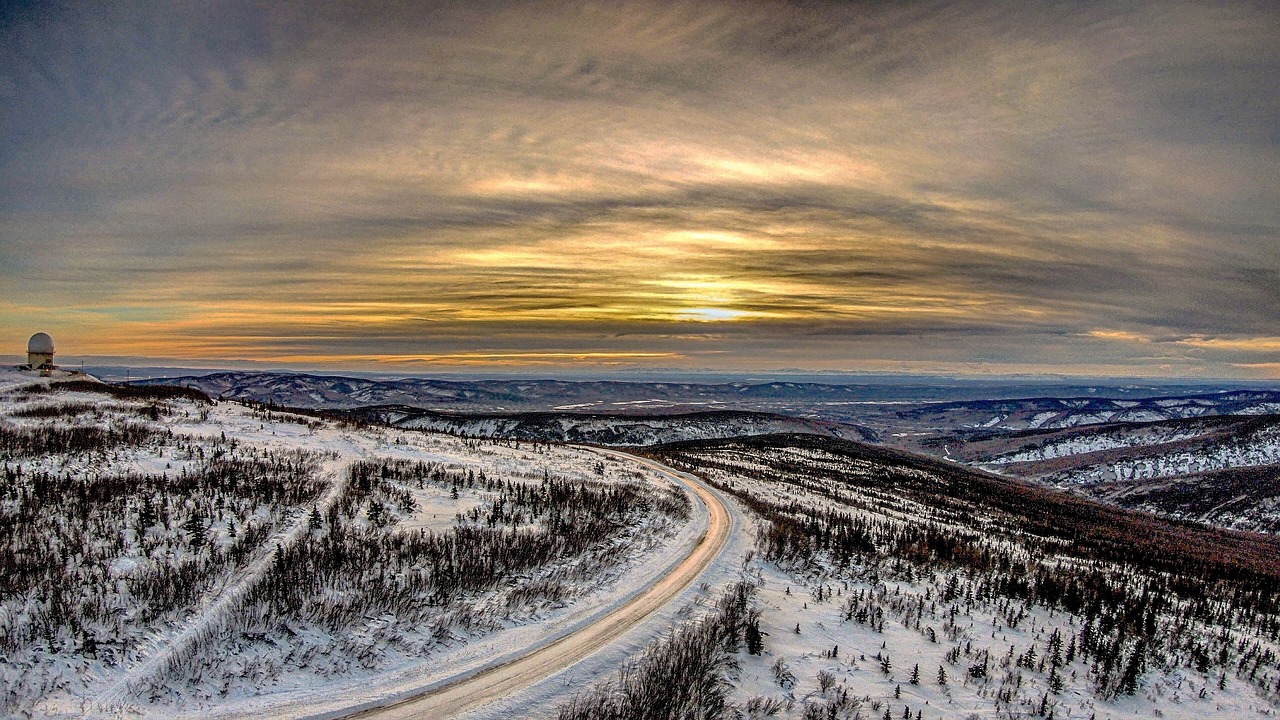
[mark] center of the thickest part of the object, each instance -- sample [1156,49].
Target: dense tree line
[43,441]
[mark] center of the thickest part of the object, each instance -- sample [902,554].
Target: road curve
[469,692]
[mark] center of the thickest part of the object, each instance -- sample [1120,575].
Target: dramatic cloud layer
[947,187]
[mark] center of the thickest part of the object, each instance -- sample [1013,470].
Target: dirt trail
[212,608]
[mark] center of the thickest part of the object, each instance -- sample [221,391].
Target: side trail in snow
[215,606]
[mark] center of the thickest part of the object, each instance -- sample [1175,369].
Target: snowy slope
[217,644]
[894,586]
[1246,498]
[1066,412]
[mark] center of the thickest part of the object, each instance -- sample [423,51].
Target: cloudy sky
[928,187]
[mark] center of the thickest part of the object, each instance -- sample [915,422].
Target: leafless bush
[679,677]
[764,706]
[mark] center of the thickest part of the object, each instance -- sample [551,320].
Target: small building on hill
[40,352]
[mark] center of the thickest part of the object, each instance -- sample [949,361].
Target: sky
[931,187]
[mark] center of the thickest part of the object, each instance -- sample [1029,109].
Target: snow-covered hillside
[1260,446]
[1162,448]
[168,554]
[1151,466]
[1245,498]
[892,586]
[1047,413]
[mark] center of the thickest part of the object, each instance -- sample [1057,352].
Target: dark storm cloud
[1083,187]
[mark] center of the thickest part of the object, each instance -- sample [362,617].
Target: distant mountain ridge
[879,406]
[1169,454]
[324,391]
[601,429]
[1066,412]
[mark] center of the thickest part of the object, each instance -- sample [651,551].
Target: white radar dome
[40,343]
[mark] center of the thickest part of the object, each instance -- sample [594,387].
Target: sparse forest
[528,544]
[127,512]
[888,538]
[96,554]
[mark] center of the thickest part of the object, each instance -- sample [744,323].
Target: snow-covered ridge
[1157,462]
[882,408]
[1097,442]
[326,391]
[1057,413]
[1260,447]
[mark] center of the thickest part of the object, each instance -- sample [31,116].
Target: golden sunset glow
[939,188]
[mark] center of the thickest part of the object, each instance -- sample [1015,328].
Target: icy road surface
[461,694]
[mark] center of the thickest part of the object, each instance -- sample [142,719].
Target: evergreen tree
[195,528]
[1133,669]
[1055,681]
[146,515]
[754,638]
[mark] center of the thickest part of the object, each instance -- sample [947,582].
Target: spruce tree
[754,638]
[195,529]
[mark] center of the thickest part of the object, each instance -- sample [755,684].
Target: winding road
[462,694]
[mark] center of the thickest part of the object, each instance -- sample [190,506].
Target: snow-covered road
[464,693]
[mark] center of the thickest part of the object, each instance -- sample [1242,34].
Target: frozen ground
[178,665]
[789,675]
[867,568]
[873,565]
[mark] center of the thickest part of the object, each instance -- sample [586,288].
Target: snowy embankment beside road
[203,498]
